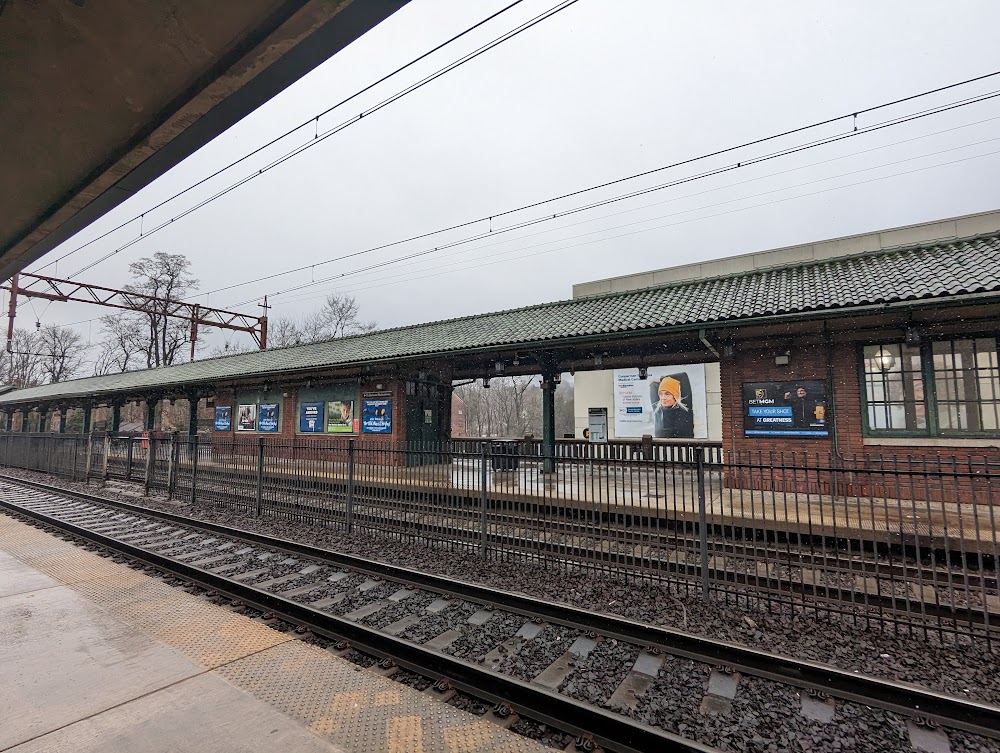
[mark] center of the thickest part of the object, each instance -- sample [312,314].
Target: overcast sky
[600,91]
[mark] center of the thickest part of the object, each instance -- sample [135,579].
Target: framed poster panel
[785,409]
[223,418]
[376,416]
[247,418]
[311,418]
[267,418]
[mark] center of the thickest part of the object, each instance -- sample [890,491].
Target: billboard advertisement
[376,416]
[224,418]
[247,418]
[267,418]
[340,417]
[670,403]
[311,418]
[785,409]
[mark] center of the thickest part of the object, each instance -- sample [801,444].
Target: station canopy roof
[924,274]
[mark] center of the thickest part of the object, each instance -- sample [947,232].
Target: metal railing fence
[908,543]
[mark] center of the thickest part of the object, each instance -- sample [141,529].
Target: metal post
[350,486]
[87,410]
[128,459]
[150,460]
[699,454]
[116,417]
[104,460]
[260,476]
[76,451]
[194,466]
[90,456]
[171,465]
[548,423]
[483,501]
[63,416]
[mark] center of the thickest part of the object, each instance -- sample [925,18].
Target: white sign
[670,403]
[597,423]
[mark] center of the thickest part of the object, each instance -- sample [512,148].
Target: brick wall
[914,469]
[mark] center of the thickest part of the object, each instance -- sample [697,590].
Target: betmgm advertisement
[785,409]
[670,403]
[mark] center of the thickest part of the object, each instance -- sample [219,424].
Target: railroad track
[940,596]
[427,624]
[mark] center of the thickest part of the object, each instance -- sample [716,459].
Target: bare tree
[24,367]
[338,317]
[512,407]
[122,346]
[149,337]
[60,352]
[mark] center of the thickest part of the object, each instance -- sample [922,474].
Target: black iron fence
[909,543]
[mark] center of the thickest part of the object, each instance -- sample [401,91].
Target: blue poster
[267,418]
[376,416]
[223,419]
[311,417]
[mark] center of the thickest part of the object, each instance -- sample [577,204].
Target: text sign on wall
[376,416]
[793,409]
[597,425]
[311,417]
[223,418]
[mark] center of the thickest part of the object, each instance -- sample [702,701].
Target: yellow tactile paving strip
[352,707]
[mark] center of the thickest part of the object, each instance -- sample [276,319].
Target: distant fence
[909,543]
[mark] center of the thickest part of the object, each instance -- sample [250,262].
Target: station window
[940,388]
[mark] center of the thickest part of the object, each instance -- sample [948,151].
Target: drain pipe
[708,346]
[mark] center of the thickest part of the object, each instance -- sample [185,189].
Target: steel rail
[611,731]
[902,698]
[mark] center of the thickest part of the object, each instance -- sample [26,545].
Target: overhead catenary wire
[674,224]
[688,211]
[313,119]
[341,127]
[631,194]
[604,202]
[852,115]
[726,186]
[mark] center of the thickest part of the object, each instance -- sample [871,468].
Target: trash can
[505,456]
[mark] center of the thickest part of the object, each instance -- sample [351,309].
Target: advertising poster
[670,403]
[267,419]
[224,418]
[311,417]
[376,416]
[340,417]
[247,418]
[777,409]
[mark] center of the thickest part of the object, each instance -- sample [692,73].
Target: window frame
[933,430]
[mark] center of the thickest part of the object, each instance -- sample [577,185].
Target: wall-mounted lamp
[598,360]
[517,360]
[884,359]
[643,372]
[913,337]
[556,378]
[486,383]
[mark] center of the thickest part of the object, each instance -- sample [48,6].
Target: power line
[675,224]
[318,139]
[313,120]
[687,211]
[708,155]
[632,194]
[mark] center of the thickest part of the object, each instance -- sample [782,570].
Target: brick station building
[891,336]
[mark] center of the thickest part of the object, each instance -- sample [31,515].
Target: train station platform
[100,657]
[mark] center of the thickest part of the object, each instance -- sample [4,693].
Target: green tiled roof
[927,272]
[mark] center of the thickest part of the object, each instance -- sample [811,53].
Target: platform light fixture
[913,337]
[598,360]
[884,359]
[500,367]
[643,372]
[486,383]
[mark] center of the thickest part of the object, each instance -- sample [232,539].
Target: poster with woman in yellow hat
[667,402]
